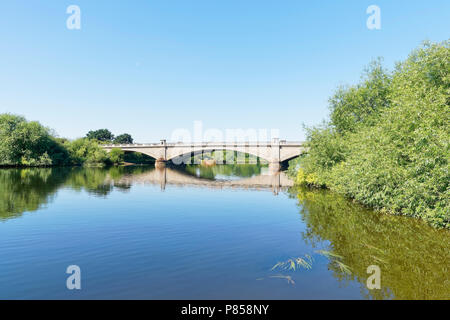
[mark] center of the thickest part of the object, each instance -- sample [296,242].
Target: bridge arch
[178,156]
[291,157]
[147,151]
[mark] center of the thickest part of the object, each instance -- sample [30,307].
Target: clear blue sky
[149,67]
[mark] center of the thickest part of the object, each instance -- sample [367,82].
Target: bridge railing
[201,144]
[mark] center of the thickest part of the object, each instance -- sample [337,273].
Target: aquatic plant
[336,260]
[295,263]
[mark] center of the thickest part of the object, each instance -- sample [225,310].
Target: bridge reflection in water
[166,176]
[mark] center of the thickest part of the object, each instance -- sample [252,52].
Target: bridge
[275,152]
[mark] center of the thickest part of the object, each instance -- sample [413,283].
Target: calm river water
[227,232]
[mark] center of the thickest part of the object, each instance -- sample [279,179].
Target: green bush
[87,152]
[361,105]
[387,142]
[116,156]
[24,143]
[29,144]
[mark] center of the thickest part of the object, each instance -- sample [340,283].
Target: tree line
[30,144]
[386,141]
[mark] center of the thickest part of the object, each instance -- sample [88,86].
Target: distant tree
[123,139]
[100,135]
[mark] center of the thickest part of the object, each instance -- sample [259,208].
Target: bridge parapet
[206,144]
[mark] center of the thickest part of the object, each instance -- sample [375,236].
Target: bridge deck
[207,144]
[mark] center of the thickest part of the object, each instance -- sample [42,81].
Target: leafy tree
[10,144]
[387,141]
[100,135]
[25,143]
[123,139]
[87,152]
[361,104]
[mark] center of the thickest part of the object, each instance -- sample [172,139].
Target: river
[224,232]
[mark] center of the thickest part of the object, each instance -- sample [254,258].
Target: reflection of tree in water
[28,189]
[92,180]
[102,181]
[414,258]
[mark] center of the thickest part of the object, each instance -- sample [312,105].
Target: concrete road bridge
[275,152]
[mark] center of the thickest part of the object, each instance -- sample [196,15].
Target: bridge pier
[160,163]
[274,167]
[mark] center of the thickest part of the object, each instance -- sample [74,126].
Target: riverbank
[386,142]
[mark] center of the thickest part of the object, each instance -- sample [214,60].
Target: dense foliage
[387,141]
[29,144]
[100,135]
[124,138]
[84,151]
[116,156]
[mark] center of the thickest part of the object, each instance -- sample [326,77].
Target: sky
[150,68]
